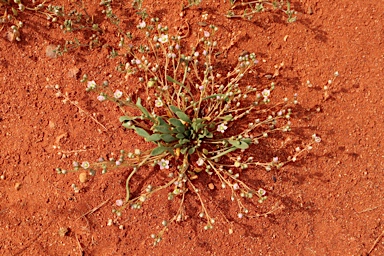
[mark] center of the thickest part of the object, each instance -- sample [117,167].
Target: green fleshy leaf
[161,121]
[168,138]
[143,133]
[163,129]
[183,151]
[143,109]
[227,118]
[175,109]
[154,137]
[184,141]
[180,129]
[191,151]
[183,116]
[158,151]
[126,125]
[175,122]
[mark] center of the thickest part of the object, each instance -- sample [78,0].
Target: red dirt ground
[331,202]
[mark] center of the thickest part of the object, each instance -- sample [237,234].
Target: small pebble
[50,51]
[211,186]
[63,232]
[73,72]
[83,177]
[17,186]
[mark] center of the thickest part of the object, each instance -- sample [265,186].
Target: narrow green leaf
[223,153]
[175,122]
[180,129]
[161,121]
[158,150]
[143,133]
[167,138]
[174,109]
[184,141]
[180,136]
[163,129]
[191,151]
[143,109]
[154,137]
[124,119]
[227,118]
[128,126]
[183,151]
[170,79]
[183,116]
[239,144]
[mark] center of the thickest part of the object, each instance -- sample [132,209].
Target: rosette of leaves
[178,134]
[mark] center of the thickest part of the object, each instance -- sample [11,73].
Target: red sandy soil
[329,203]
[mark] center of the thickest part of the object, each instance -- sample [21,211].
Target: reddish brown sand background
[331,202]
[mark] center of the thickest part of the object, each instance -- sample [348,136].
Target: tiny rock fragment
[51,124]
[17,186]
[309,10]
[50,51]
[73,72]
[285,38]
[211,186]
[83,177]
[63,231]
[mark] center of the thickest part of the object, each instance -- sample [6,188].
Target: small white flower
[261,192]
[221,128]
[266,93]
[158,103]
[205,53]
[101,98]
[316,138]
[201,87]
[118,94]
[119,202]
[164,164]
[207,34]
[200,162]
[85,165]
[275,159]
[240,215]
[163,39]
[142,24]
[91,85]
[196,54]
[236,186]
